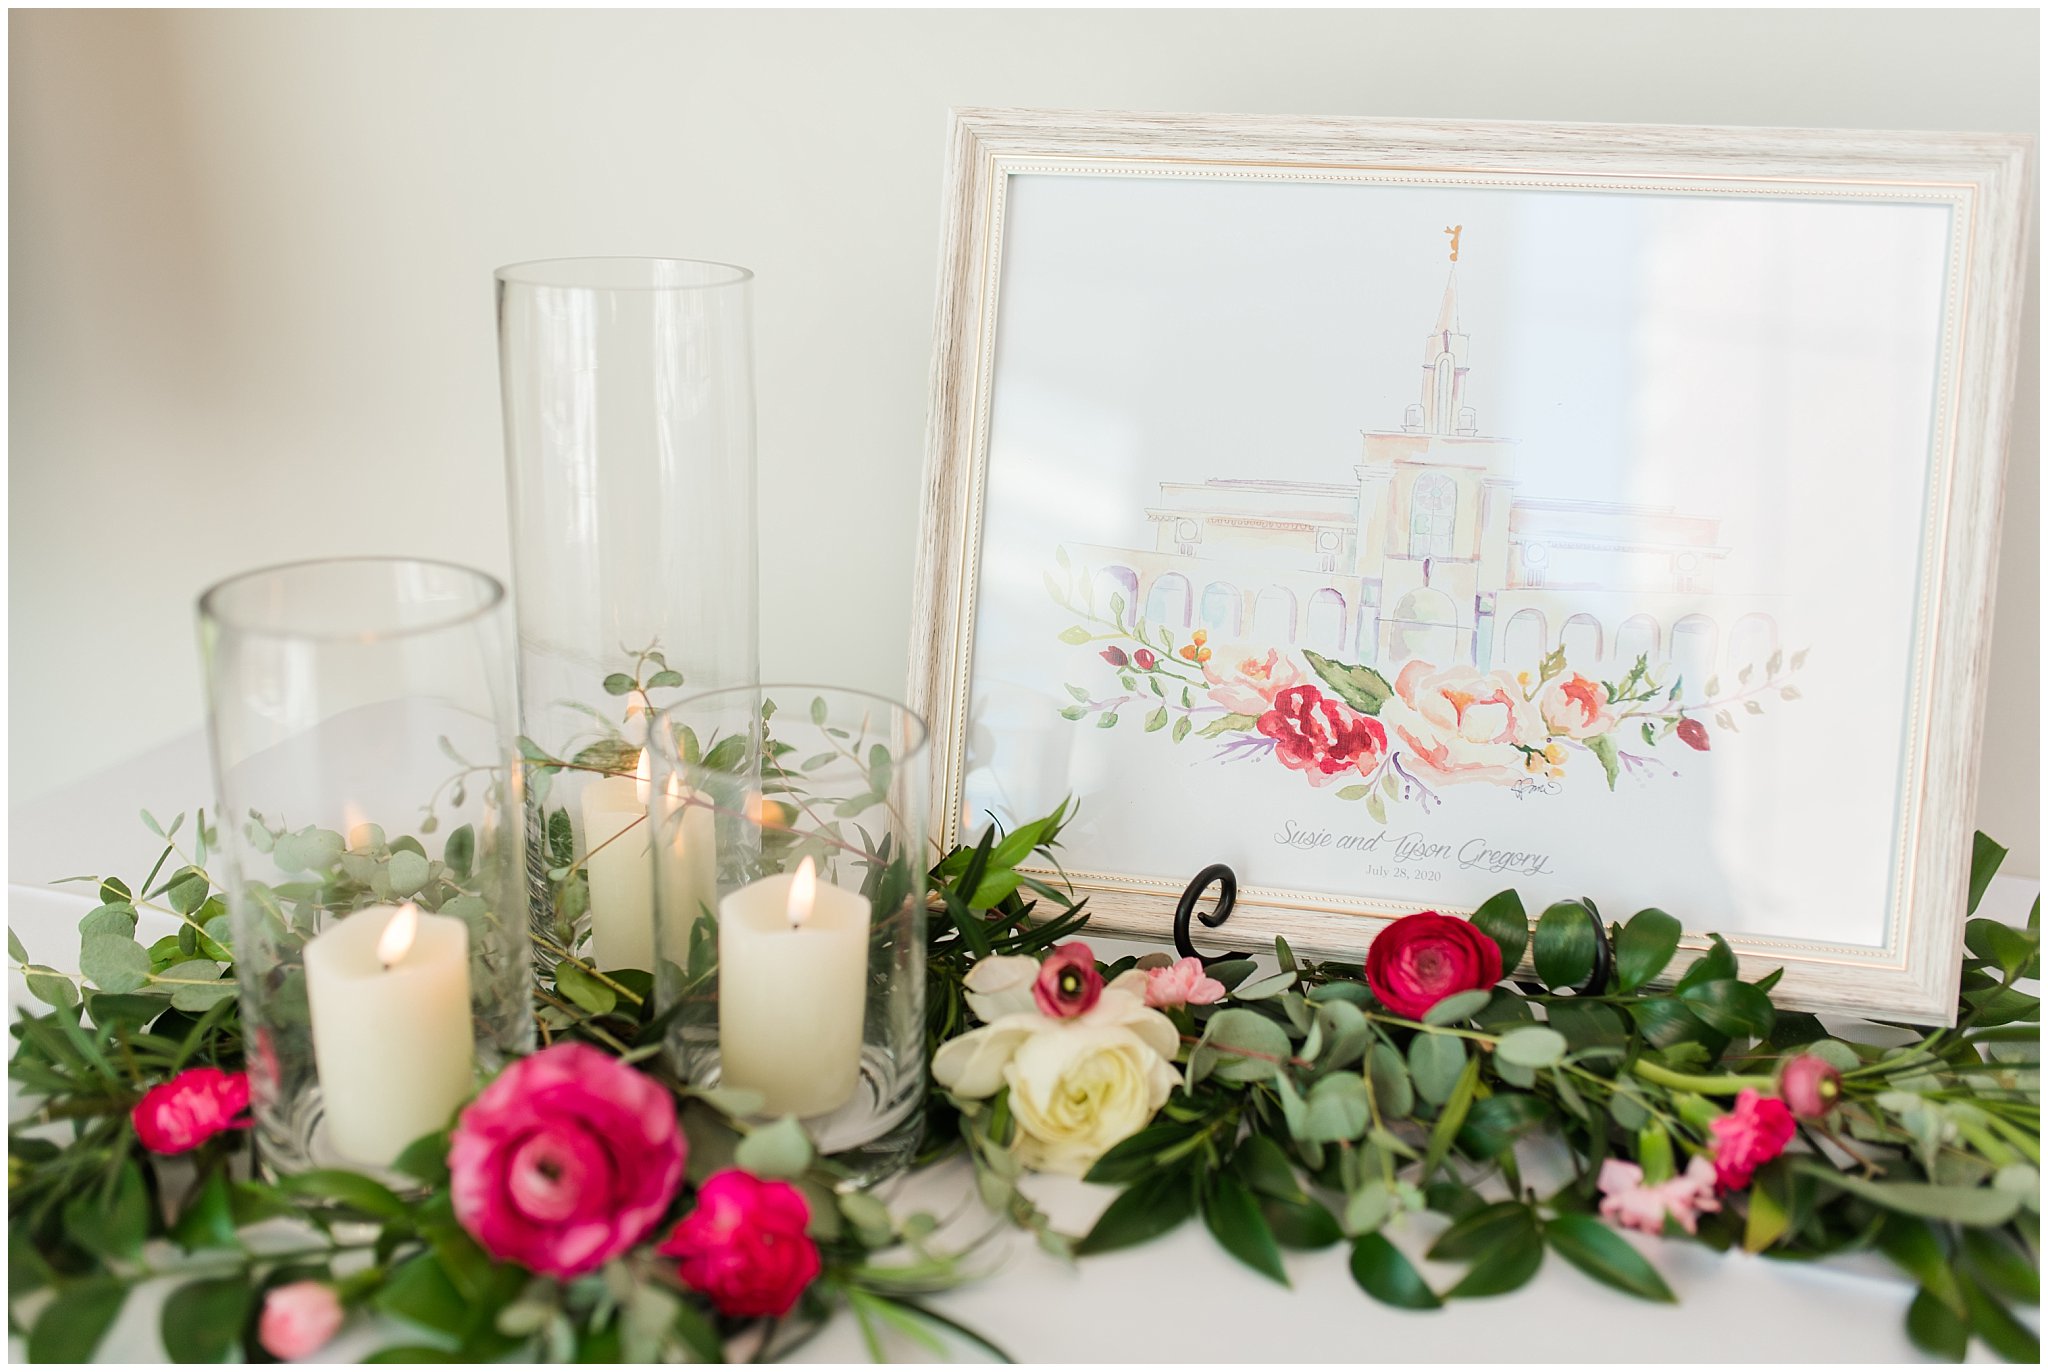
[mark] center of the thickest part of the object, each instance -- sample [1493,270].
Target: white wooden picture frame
[1659,574]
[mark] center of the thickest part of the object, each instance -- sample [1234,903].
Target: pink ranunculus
[178,1115]
[1246,680]
[1626,1201]
[298,1319]
[745,1245]
[1182,983]
[1458,724]
[1810,1085]
[1068,984]
[565,1161]
[1576,707]
[1750,1135]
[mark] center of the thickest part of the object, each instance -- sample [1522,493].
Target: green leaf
[1462,1006]
[1503,1268]
[1531,1045]
[1972,1205]
[351,1190]
[1234,1036]
[1263,1165]
[1141,1212]
[618,684]
[116,918]
[1304,1224]
[216,986]
[1491,1125]
[1228,724]
[1074,634]
[1998,1327]
[202,1320]
[1233,1217]
[1716,964]
[419,1291]
[1602,747]
[1452,1118]
[1388,1277]
[1565,938]
[1605,1256]
[778,1150]
[1136,1156]
[209,1217]
[585,990]
[1155,721]
[113,963]
[2000,1266]
[1483,1230]
[71,1326]
[188,891]
[50,987]
[1935,1329]
[1644,948]
[1338,1110]
[111,1222]
[1985,857]
[1504,920]
[1434,1062]
[425,1159]
[1735,1008]
[1391,1087]
[19,953]
[1912,1244]
[1363,689]
[407,872]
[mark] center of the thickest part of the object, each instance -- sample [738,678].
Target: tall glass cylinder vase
[369,803]
[790,860]
[629,440]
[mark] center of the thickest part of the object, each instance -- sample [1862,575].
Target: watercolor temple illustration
[1432,551]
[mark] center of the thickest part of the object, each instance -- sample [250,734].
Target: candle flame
[353,819]
[803,892]
[398,936]
[764,811]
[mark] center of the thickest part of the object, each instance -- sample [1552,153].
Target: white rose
[1078,1087]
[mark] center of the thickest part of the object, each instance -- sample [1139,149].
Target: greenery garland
[1307,1114]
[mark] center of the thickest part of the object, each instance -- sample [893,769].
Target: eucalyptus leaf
[1391,1086]
[1434,1062]
[1250,1046]
[778,1150]
[113,963]
[1531,1045]
[1454,1008]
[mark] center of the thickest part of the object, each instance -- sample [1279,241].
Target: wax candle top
[399,936]
[803,893]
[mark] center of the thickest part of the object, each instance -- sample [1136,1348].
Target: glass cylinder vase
[629,441]
[369,805]
[790,858]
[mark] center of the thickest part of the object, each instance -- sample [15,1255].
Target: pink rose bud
[298,1319]
[178,1115]
[1694,734]
[1068,984]
[1810,1085]
[565,1161]
[1115,656]
[1144,658]
[746,1246]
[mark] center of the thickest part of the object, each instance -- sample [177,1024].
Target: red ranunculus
[178,1115]
[1068,984]
[745,1245]
[1419,959]
[1750,1135]
[1321,737]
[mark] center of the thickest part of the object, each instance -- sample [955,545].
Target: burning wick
[803,893]
[397,939]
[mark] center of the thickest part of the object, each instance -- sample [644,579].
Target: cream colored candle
[688,867]
[792,991]
[620,865]
[388,990]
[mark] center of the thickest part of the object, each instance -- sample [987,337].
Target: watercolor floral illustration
[1402,733]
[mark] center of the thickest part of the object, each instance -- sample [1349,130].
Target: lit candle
[388,990]
[620,866]
[792,990]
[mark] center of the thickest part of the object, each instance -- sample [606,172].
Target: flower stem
[1699,1085]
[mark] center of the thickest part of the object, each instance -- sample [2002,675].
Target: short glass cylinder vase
[788,828]
[372,826]
[629,445]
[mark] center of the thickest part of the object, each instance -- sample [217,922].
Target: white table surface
[1179,1299]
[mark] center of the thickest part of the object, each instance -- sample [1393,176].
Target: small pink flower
[178,1115]
[1183,983]
[565,1161]
[1068,984]
[745,1245]
[1810,1086]
[1749,1136]
[1632,1205]
[298,1319]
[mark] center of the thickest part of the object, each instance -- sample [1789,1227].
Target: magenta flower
[1068,984]
[1750,1135]
[1182,983]
[298,1319]
[178,1115]
[745,1245]
[1626,1201]
[1810,1086]
[565,1161]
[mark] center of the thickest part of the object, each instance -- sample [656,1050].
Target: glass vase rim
[492,598]
[580,271]
[919,743]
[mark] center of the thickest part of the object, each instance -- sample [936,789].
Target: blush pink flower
[1576,707]
[1810,1085]
[1068,984]
[1626,1201]
[298,1319]
[1182,983]
[178,1115]
[1246,681]
[1750,1135]
[745,1245]
[565,1161]
[1457,724]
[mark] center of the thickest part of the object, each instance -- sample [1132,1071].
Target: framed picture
[1401,511]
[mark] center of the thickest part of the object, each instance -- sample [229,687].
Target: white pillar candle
[620,865]
[388,991]
[792,991]
[688,867]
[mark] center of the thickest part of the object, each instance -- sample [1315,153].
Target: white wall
[251,272]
